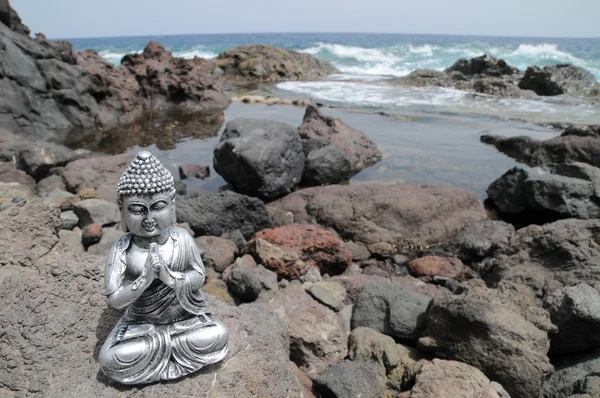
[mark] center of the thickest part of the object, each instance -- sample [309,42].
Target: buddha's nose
[149,217]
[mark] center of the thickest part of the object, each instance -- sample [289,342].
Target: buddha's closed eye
[136,209]
[161,204]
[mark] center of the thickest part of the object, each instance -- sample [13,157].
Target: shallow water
[417,148]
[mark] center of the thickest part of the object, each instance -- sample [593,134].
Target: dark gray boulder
[497,87]
[350,379]
[326,165]
[217,213]
[559,79]
[477,241]
[244,283]
[576,312]
[391,309]
[484,65]
[570,372]
[536,195]
[260,158]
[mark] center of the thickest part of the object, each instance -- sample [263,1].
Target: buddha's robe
[166,333]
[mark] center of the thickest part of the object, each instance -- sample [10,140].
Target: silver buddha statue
[155,272]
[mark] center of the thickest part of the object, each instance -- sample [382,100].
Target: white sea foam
[425,49]
[115,57]
[197,51]
[543,51]
[357,53]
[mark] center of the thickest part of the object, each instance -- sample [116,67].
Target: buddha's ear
[123,223]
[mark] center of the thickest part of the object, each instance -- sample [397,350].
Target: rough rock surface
[572,191]
[317,336]
[392,309]
[559,79]
[10,173]
[50,89]
[13,192]
[479,240]
[109,238]
[430,266]
[217,253]
[468,328]
[450,379]
[101,174]
[292,249]
[331,294]
[569,373]
[55,318]
[318,130]
[563,149]
[404,215]
[261,158]
[326,165]
[576,312]
[97,211]
[255,63]
[484,65]
[214,214]
[350,379]
[400,363]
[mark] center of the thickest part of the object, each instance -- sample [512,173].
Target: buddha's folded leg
[202,341]
[135,356]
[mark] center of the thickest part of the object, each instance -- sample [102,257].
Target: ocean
[433,136]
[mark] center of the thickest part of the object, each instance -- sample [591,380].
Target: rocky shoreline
[329,289]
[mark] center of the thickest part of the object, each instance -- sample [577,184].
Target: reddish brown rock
[359,149]
[430,266]
[405,215]
[218,253]
[101,174]
[91,234]
[292,249]
[450,379]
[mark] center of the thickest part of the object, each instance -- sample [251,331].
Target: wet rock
[193,170]
[97,211]
[391,309]
[484,65]
[569,373]
[557,150]
[317,336]
[70,241]
[479,240]
[430,266]
[109,238]
[261,158]
[559,79]
[350,379]
[13,192]
[91,234]
[292,249]
[416,216]
[331,294]
[68,220]
[428,77]
[449,379]
[29,231]
[254,63]
[217,253]
[497,87]
[101,174]
[468,328]
[576,312]
[400,363]
[211,214]
[572,191]
[328,131]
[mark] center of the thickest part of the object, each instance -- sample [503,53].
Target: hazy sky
[93,18]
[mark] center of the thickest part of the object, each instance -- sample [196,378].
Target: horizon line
[308,33]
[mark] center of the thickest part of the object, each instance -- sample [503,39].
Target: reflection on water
[162,131]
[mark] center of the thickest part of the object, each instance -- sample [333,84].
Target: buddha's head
[146,197]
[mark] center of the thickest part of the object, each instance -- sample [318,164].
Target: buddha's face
[148,215]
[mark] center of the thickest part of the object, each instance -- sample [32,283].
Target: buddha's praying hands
[155,272]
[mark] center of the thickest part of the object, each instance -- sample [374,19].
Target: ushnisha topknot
[145,175]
